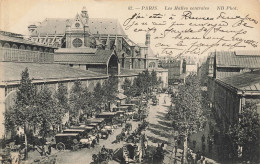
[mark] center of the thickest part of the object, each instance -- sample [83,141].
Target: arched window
[15,52]
[7,45]
[22,55]
[22,47]
[7,54]
[28,48]
[28,53]
[14,46]
[77,42]
[151,64]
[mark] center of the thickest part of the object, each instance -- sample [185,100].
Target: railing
[19,55]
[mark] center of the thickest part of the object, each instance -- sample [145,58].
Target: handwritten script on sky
[193,33]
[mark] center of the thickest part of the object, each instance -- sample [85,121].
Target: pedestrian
[49,149]
[194,144]
[175,149]
[203,148]
[93,144]
[198,155]
[162,145]
[98,138]
[203,138]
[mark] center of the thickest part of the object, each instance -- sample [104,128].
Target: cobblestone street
[85,155]
[156,133]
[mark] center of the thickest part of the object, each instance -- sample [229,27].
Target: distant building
[14,48]
[17,53]
[81,32]
[95,44]
[229,95]
[178,69]
[227,63]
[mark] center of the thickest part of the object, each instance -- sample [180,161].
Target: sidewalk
[170,157]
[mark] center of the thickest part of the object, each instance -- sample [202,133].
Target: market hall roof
[238,59]
[248,81]
[82,56]
[16,38]
[11,73]
[57,26]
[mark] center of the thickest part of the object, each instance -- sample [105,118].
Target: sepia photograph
[120,82]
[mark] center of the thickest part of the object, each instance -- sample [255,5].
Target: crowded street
[91,82]
[154,133]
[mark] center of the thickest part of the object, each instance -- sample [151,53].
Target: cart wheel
[60,146]
[75,147]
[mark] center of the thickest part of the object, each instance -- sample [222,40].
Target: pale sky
[16,15]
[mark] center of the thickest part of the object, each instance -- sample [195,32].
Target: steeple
[108,43]
[84,15]
[147,39]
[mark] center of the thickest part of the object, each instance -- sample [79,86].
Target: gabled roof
[51,26]
[57,26]
[248,81]
[231,59]
[11,72]
[73,57]
[105,26]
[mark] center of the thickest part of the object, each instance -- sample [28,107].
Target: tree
[110,89]
[146,80]
[137,86]
[245,133]
[127,88]
[61,97]
[188,114]
[21,115]
[88,104]
[61,103]
[127,84]
[154,80]
[98,96]
[45,114]
[76,101]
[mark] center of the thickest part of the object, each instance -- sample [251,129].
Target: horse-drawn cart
[67,141]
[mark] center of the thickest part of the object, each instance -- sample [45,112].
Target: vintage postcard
[155,82]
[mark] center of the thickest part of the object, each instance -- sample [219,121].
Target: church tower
[147,39]
[85,18]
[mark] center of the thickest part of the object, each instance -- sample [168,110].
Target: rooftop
[15,39]
[237,59]
[11,72]
[84,50]
[82,56]
[52,26]
[130,72]
[248,81]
